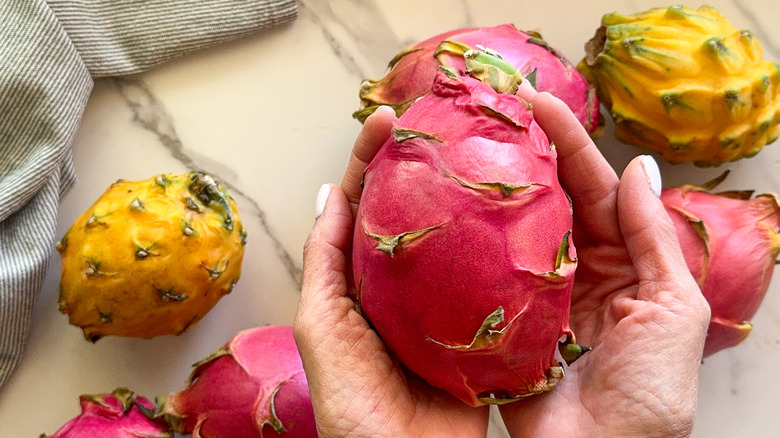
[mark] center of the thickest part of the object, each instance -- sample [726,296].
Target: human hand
[634,302]
[357,388]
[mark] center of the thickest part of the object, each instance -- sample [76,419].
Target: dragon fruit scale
[151,257]
[413,69]
[121,414]
[252,387]
[730,242]
[686,83]
[462,252]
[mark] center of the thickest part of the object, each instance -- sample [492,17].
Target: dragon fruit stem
[484,64]
[489,67]
[207,191]
[570,350]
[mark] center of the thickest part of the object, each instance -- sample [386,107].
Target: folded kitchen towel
[49,54]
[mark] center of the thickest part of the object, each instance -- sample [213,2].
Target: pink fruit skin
[485,249]
[733,257]
[105,416]
[237,391]
[413,75]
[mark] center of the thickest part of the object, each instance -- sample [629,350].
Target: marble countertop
[270,116]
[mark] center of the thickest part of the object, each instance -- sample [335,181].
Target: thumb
[325,253]
[648,230]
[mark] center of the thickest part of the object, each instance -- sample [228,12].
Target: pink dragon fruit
[462,253]
[254,386]
[120,414]
[730,243]
[412,71]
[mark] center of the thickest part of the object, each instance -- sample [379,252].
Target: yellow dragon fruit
[686,83]
[151,257]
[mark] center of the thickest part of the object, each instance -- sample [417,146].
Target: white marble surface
[270,115]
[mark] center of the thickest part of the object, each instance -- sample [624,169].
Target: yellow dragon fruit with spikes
[151,257]
[686,83]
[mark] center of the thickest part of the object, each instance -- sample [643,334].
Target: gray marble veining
[149,114]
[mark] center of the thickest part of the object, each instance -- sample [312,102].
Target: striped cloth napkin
[50,51]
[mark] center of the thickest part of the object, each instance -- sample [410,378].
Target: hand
[634,303]
[357,389]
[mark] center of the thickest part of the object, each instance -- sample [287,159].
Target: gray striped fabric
[49,53]
[116,37]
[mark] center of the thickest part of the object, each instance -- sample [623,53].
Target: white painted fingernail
[322,198]
[385,108]
[650,166]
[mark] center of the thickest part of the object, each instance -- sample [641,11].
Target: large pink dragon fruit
[120,414]
[252,387]
[462,252]
[412,70]
[730,242]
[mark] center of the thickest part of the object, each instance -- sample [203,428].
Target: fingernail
[385,108]
[650,166]
[322,198]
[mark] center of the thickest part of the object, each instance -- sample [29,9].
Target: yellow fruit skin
[149,258]
[685,83]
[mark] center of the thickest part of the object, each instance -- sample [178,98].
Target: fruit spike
[388,244]
[487,335]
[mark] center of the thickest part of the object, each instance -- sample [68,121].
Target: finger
[325,252]
[649,233]
[585,174]
[526,91]
[375,132]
